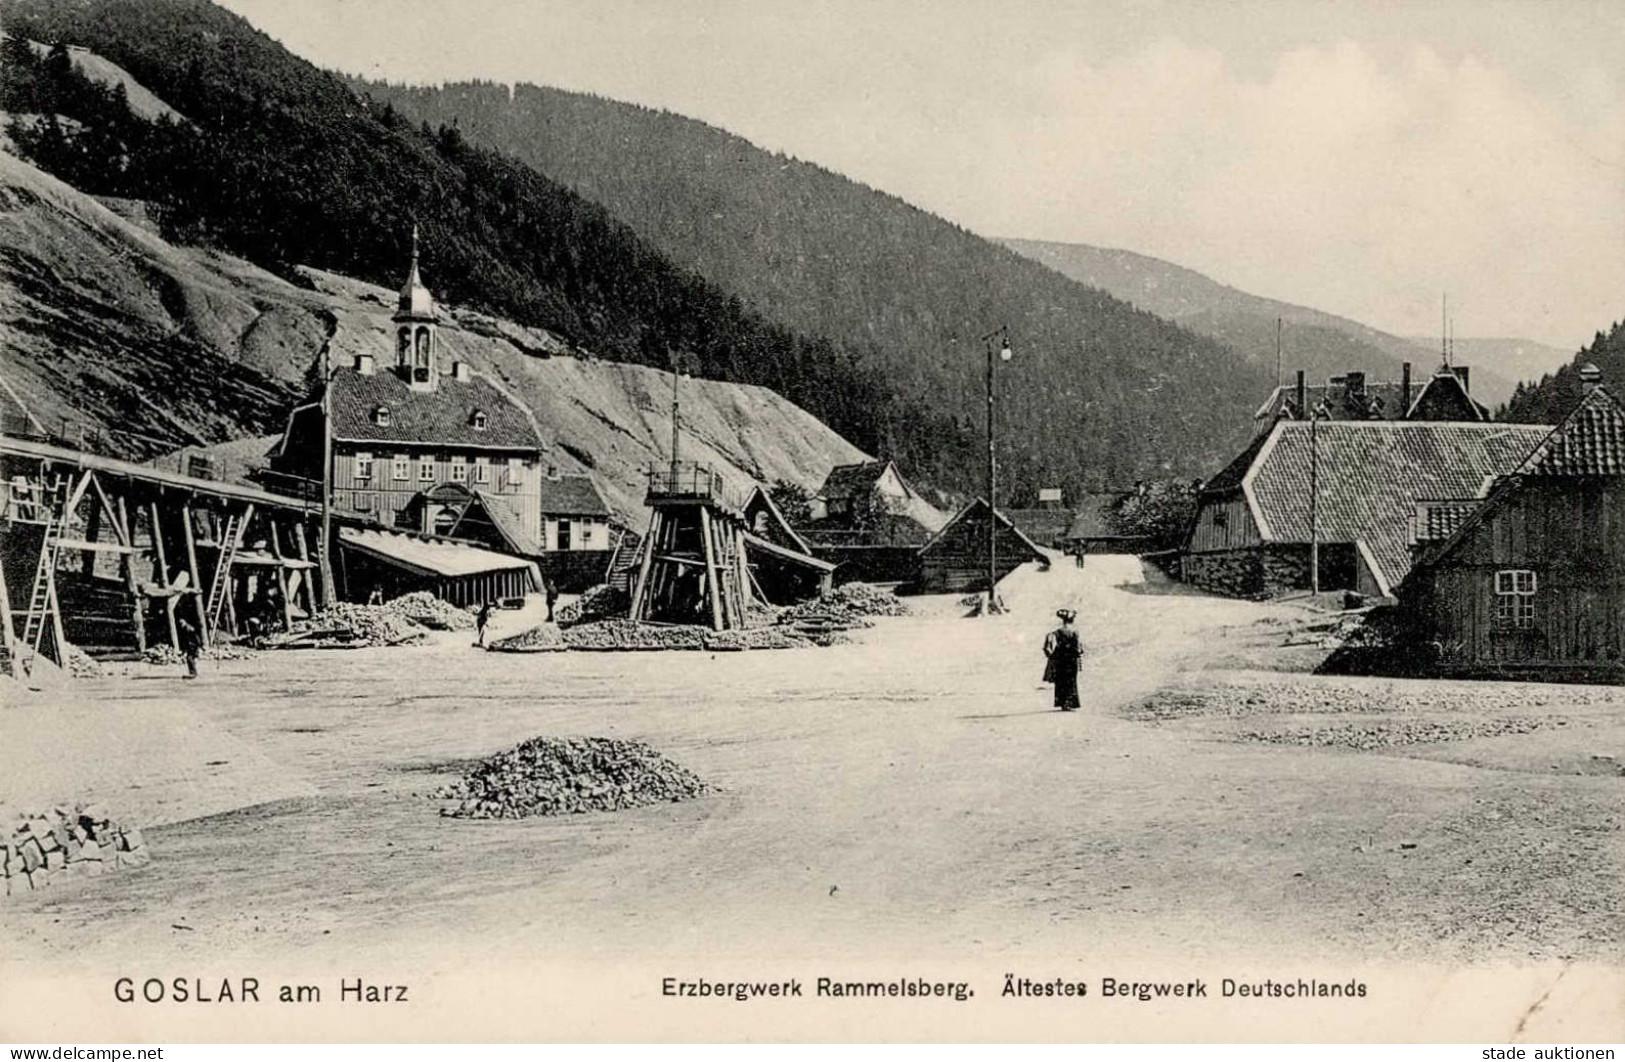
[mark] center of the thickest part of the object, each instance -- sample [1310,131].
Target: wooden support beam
[163,574]
[126,537]
[8,636]
[87,547]
[713,583]
[641,588]
[304,554]
[281,574]
[197,580]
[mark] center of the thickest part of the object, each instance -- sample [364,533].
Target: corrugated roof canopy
[425,557]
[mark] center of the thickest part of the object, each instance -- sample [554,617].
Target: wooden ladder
[42,598]
[231,538]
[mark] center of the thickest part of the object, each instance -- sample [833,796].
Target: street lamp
[1002,335]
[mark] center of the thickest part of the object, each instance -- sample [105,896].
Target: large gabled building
[415,447]
[1344,489]
[1445,396]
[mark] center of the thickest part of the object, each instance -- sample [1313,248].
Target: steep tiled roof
[1390,393]
[444,415]
[1044,526]
[509,524]
[1446,391]
[571,496]
[844,481]
[1230,477]
[1436,520]
[1369,475]
[1589,442]
[975,509]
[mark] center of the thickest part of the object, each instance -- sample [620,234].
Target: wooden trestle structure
[691,568]
[148,543]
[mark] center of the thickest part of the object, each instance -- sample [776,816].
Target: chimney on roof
[1590,377]
[1404,390]
[459,371]
[1300,408]
[364,364]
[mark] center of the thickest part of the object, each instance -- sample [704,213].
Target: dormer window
[380,416]
[479,420]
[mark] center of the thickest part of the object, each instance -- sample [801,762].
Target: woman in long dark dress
[1064,651]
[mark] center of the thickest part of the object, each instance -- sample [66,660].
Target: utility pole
[1002,334]
[1314,498]
[328,597]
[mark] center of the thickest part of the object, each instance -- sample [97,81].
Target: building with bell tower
[443,453]
[415,324]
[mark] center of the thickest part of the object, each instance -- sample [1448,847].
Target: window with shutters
[1515,590]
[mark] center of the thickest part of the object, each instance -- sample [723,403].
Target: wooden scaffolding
[691,568]
[108,547]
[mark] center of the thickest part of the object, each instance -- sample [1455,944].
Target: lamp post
[1002,334]
[1319,413]
[327,478]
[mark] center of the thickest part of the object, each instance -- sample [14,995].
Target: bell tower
[415,338]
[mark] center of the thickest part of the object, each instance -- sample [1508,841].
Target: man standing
[187,635]
[1065,656]
[481,620]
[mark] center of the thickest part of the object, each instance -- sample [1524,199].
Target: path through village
[913,794]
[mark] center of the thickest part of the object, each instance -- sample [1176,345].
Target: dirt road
[914,792]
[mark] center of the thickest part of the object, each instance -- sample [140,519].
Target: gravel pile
[80,664]
[565,776]
[752,638]
[426,610]
[1312,697]
[599,602]
[546,638]
[625,634]
[866,600]
[1390,733]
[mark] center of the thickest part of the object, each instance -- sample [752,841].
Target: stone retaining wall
[62,845]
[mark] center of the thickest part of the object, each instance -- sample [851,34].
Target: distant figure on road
[187,635]
[1065,656]
[551,589]
[481,620]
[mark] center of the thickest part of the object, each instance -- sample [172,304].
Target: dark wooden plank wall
[1571,533]
[1235,529]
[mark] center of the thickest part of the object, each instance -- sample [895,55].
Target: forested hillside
[1097,391]
[854,305]
[1557,393]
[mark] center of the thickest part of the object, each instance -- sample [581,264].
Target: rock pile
[546,638]
[42,849]
[625,634]
[752,638]
[426,610]
[81,664]
[564,776]
[600,602]
[348,625]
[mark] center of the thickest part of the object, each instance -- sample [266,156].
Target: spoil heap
[426,610]
[545,638]
[563,776]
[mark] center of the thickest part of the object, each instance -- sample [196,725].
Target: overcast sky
[1360,158]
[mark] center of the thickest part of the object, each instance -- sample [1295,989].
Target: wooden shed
[1530,582]
[955,559]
